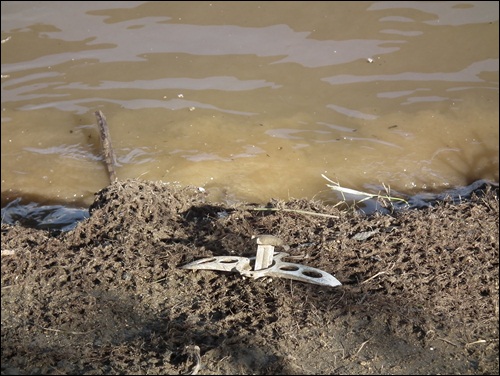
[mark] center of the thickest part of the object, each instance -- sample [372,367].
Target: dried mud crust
[420,295]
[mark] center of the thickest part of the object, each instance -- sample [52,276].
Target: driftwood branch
[109,154]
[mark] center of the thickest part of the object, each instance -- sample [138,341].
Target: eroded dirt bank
[419,295]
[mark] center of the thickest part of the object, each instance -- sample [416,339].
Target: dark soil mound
[419,293]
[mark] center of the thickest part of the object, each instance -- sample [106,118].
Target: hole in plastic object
[208,260]
[228,261]
[289,268]
[312,274]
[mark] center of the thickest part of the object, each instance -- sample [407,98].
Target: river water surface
[249,100]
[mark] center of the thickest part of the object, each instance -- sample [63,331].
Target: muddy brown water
[252,102]
[249,100]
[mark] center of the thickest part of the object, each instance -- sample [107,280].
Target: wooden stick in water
[109,154]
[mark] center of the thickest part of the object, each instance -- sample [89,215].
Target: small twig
[63,331]
[475,342]
[376,275]
[8,252]
[361,347]
[193,352]
[297,211]
[447,341]
[109,155]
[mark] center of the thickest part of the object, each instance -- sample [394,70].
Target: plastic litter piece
[222,263]
[298,272]
[278,269]
[264,257]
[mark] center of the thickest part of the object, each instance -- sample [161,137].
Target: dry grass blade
[297,211]
[367,196]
